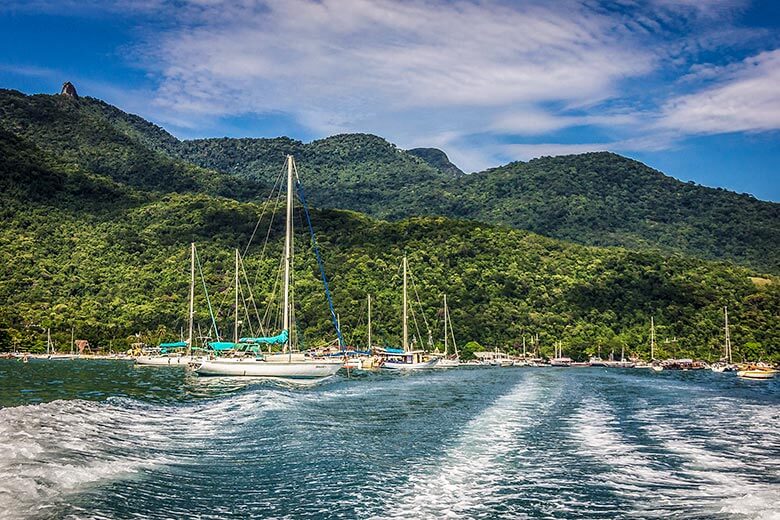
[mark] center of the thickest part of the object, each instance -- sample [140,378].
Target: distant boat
[758,371]
[725,364]
[448,361]
[405,358]
[178,353]
[560,360]
[286,365]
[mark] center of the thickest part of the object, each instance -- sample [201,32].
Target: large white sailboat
[287,365]
[406,358]
[176,353]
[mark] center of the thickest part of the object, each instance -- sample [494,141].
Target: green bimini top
[222,345]
[175,344]
[279,339]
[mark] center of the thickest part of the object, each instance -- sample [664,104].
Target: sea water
[106,439]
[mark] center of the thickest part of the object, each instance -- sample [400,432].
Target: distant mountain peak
[69,90]
[437,159]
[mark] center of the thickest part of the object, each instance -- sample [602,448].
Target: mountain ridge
[599,198]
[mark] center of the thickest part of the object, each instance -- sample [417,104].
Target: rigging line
[262,214]
[416,326]
[277,186]
[251,296]
[208,300]
[333,317]
[417,295]
[246,309]
[272,297]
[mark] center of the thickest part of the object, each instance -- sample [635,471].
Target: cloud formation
[745,97]
[487,80]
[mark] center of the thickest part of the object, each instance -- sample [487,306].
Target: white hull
[257,368]
[447,363]
[394,365]
[757,374]
[160,361]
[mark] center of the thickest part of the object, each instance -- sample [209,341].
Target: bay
[107,439]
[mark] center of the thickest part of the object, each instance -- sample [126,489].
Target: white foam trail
[728,473]
[54,449]
[463,481]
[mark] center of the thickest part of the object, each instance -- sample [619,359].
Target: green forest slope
[81,250]
[593,199]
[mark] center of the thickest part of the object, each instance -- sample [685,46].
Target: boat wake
[56,449]
[472,476]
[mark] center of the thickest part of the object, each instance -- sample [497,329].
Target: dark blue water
[88,439]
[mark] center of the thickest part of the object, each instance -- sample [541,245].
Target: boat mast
[405,324]
[192,297]
[48,340]
[235,326]
[288,238]
[652,339]
[728,335]
[369,323]
[446,343]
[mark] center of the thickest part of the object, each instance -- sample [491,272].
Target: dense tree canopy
[96,232]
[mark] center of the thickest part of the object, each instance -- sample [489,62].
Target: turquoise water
[105,439]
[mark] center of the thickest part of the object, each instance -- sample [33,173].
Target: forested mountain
[92,135]
[595,198]
[95,240]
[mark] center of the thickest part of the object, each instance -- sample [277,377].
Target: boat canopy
[393,350]
[222,345]
[279,339]
[175,344]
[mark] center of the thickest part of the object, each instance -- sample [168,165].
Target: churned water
[105,439]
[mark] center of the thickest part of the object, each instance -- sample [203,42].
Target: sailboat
[406,358]
[178,353]
[725,364]
[51,352]
[559,360]
[448,361]
[287,365]
[653,365]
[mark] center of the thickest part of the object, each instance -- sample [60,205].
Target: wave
[469,477]
[55,449]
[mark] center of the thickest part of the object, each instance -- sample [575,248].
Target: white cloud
[746,97]
[336,60]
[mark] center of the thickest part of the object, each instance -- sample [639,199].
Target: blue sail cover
[222,345]
[280,339]
[394,350]
[175,344]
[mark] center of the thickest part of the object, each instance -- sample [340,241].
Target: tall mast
[523,348]
[48,340]
[652,339]
[369,323]
[728,334]
[406,327]
[235,327]
[446,343]
[192,297]
[288,239]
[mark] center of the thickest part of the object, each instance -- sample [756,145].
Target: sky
[689,87]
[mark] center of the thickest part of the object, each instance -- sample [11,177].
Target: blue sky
[691,87]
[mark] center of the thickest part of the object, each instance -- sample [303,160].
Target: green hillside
[98,213]
[94,136]
[593,199]
[112,261]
